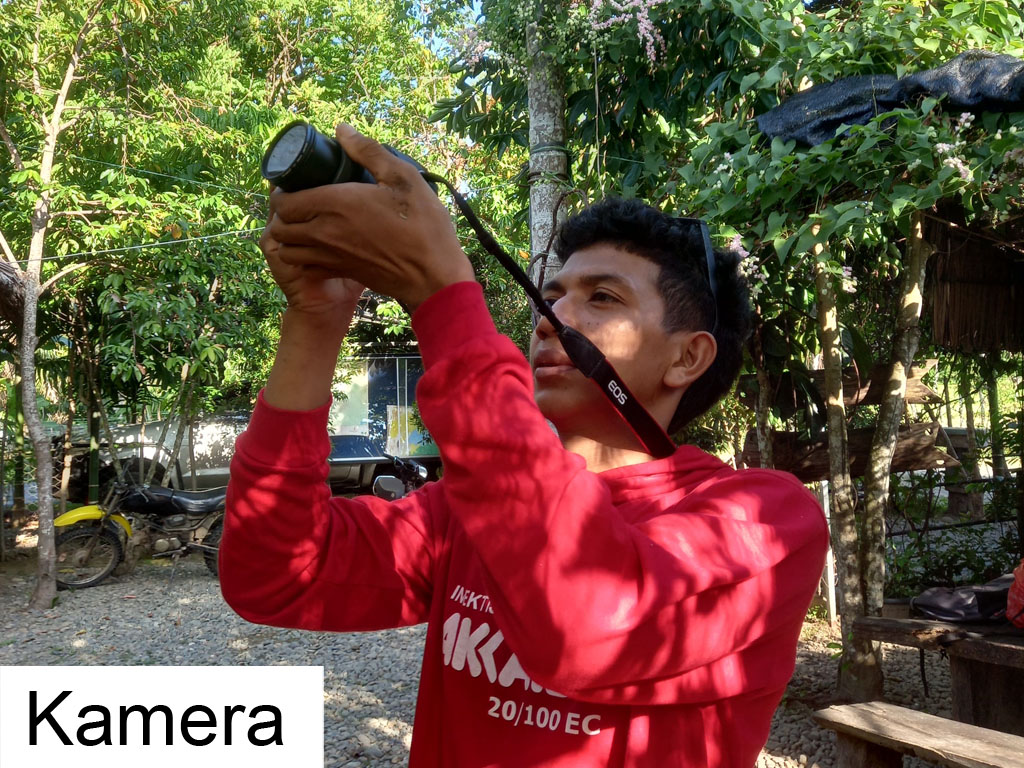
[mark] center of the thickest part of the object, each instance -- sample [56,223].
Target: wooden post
[831,602]
[999,468]
[1020,511]
[852,752]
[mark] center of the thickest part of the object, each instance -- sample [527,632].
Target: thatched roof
[976,285]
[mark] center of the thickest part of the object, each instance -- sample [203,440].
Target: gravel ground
[370,679]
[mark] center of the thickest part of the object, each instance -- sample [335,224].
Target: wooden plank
[853,752]
[989,643]
[987,694]
[808,460]
[1006,652]
[914,633]
[937,739]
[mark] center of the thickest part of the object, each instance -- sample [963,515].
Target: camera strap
[583,353]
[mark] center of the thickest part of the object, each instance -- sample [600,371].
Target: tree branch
[37,86]
[8,254]
[69,72]
[11,147]
[66,271]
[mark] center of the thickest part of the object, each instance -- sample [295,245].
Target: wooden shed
[975,283]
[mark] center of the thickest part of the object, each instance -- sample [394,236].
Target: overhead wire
[247,192]
[142,246]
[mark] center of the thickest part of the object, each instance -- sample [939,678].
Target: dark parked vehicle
[356,461]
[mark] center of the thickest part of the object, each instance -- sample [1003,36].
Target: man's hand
[311,290]
[395,236]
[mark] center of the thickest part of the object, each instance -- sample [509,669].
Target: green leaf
[781,149]
[749,80]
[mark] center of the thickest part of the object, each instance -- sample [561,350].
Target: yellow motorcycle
[91,540]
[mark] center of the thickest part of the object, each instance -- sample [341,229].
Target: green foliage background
[176,101]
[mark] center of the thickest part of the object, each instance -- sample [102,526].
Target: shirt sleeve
[292,556]
[662,609]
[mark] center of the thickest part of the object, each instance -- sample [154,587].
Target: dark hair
[678,249]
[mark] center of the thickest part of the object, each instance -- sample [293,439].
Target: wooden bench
[986,665]
[877,735]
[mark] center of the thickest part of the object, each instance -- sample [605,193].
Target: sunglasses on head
[701,228]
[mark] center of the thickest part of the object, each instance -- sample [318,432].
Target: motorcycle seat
[189,502]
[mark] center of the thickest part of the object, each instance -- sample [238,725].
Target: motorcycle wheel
[213,539]
[86,557]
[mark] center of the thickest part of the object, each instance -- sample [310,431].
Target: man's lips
[546,371]
[551,363]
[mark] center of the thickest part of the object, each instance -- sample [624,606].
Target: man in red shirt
[587,605]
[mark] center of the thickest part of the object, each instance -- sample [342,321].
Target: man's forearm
[307,356]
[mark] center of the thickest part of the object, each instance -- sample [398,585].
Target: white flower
[639,10]
[737,245]
[960,166]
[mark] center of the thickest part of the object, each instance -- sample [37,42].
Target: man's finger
[291,233]
[370,154]
[271,204]
[297,207]
[310,257]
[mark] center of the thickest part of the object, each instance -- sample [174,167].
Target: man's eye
[601,296]
[550,301]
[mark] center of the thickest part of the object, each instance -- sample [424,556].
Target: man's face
[611,297]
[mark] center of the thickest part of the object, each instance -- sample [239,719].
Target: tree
[851,201]
[48,107]
[132,134]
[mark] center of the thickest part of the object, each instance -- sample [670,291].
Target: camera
[301,157]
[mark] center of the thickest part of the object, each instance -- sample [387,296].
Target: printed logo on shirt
[467,598]
[473,648]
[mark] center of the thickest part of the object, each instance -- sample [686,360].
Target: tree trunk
[192,453]
[764,400]
[65,475]
[975,508]
[46,573]
[46,584]
[945,394]
[18,505]
[3,482]
[999,468]
[860,671]
[548,154]
[183,421]
[876,480]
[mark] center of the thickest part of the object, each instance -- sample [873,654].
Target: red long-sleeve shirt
[643,616]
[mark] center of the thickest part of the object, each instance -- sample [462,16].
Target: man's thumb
[365,151]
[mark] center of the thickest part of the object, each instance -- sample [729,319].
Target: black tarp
[975,81]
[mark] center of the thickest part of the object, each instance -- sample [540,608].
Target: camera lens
[300,157]
[286,151]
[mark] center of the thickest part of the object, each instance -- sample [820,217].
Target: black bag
[986,602]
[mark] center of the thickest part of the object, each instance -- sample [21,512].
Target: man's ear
[696,353]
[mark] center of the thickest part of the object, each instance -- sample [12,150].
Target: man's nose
[560,307]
